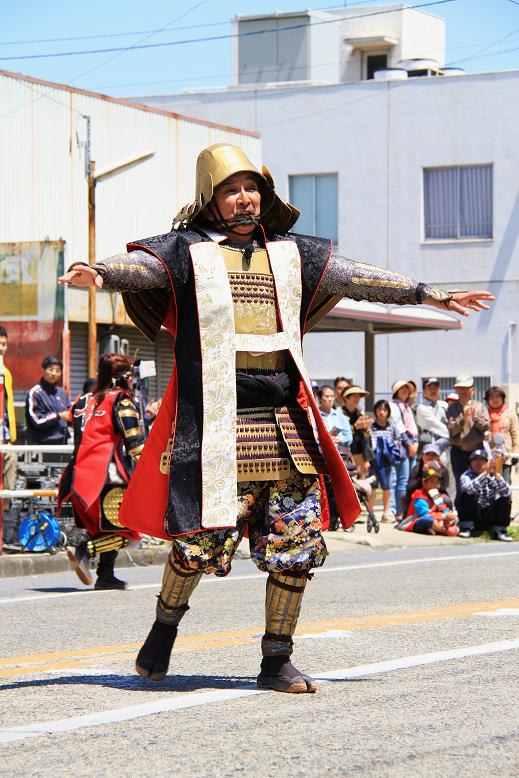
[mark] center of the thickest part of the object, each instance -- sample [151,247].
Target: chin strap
[228,225]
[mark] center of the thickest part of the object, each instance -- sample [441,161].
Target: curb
[15,565]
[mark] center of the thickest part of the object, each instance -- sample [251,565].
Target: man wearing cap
[431,414]
[485,503]
[468,424]
[46,406]
[232,446]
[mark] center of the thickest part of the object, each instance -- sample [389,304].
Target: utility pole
[92,323]
[92,179]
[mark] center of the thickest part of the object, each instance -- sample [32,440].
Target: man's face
[430,457]
[339,389]
[432,392]
[52,374]
[465,393]
[327,398]
[3,345]
[478,465]
[239,195]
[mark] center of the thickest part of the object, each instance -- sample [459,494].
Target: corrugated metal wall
[161,351]
[43,190]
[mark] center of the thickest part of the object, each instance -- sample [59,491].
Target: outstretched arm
[122,273]
[360,281]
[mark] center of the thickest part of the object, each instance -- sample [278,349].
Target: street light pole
[92,324]
[92,179]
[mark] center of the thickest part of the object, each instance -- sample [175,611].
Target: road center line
[174,703]
[261,577]
[35,664]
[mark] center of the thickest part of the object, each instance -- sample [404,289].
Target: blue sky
[482,35]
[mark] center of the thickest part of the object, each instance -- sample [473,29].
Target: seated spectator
[485,503]
[361,450]
[430,512]
[431,453]
[10,458]
[504,428]
[384,441]
[431,415]
[46,406]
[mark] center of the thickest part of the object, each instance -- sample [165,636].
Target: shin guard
[177,587]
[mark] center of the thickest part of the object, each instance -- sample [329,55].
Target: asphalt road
[418,649]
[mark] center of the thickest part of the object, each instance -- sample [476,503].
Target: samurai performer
[233,447]
[108,440]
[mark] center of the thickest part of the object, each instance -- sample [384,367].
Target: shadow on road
[176,683]
[59,589]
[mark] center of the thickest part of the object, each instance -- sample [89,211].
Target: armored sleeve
[360,281]
[128,423]
[131,272]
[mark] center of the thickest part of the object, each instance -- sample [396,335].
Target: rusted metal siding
[43,192]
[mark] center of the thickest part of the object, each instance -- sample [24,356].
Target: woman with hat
[404,422]
[504,427]
[360,423]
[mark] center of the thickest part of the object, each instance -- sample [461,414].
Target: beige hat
[354,390]
[465,381]
[398,385]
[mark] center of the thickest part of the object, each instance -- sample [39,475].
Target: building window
[458,202]
[316,198]
[375,62]
[481,384]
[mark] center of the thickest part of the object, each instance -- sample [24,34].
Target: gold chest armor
[254,298]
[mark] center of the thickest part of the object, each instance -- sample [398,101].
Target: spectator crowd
[443,466]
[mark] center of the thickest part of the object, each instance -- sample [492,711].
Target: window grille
[481,384]
[458,202]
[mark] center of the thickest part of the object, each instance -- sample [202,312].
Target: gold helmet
[217,163]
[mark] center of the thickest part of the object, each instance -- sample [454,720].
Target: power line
[136,45]
[223,37]
[294,68]
[162,29]
[486,48]
[65,105]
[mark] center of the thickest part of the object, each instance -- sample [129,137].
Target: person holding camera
[504,428]
[108,441]
[485,501]
[360,422]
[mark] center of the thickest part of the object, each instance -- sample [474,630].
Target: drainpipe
[511,327]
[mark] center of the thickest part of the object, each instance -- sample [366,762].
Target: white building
[419,175]
[43,192]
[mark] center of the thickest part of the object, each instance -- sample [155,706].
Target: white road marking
[499,612]
[261,577]
[181,702]
[328,633]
